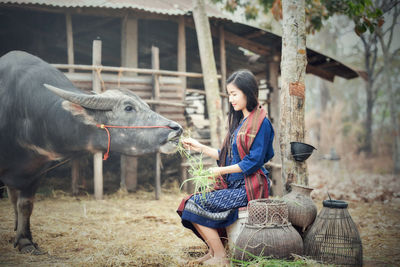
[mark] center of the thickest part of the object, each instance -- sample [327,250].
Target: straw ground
[136,230]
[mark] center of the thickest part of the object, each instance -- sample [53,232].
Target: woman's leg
[210,252]
[213,240]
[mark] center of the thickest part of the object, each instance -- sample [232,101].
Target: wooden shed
[146,43]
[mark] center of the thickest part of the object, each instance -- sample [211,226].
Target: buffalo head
[121,108]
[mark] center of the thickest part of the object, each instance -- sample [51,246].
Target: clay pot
[278,241]
[302,210]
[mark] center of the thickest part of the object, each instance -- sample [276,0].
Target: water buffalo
[40,124]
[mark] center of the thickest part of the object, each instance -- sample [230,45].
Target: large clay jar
[302,210]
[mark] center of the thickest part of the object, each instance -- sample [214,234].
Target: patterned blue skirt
[216,209]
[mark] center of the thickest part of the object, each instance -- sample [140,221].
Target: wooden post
[129,42]
[182,53]
[182,68]
[97,159]
[209,71]
[70,54]
[277,182]
[70,40]
[155,63]
[129,58]
[293,67]
[128,167]
[75,176]
[222,53]
[184,177]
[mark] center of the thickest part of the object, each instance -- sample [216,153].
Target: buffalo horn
[87,101]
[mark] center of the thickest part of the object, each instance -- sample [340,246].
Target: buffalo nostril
[176,127]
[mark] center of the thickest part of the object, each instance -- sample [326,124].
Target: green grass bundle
[201,177]
[268,261]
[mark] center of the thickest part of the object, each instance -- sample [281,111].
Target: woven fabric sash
[256,184]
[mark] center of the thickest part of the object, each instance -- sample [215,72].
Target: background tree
[385,37]
[293,71]
[369,20]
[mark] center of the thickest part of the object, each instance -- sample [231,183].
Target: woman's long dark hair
[247,83]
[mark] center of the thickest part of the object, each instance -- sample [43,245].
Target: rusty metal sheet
[170,7]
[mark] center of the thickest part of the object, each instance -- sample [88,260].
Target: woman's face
[236,97]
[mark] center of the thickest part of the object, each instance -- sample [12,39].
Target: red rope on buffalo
[105,127]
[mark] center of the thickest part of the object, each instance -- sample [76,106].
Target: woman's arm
[190,143]
[226,169]
[211,152]
[262,146]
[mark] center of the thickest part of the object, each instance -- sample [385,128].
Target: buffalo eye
[128,108]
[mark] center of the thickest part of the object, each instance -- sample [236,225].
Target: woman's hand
[216,171]
[190,143]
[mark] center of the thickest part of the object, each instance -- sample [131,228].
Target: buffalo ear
[78,111]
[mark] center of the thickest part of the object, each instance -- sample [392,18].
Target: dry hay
[137,230]
[121,230]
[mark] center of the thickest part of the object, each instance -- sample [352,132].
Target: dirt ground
[137,230]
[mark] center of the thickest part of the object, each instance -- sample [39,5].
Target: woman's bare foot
[217,261]
[207,256]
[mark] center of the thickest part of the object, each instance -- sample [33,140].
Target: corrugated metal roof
[167,7]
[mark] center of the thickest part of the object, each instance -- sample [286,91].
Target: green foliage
[202,178]
[264,261]
[364,13]
[251,8]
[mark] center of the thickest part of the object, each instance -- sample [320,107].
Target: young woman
[242,177]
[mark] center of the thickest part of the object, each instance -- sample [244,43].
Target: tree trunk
[370,56]
[293,66]
[209,71]
[325,96]
[367,147]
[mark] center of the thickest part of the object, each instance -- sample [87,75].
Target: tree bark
[293,66]
[209,72]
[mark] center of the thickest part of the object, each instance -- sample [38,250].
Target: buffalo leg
[13,195]
[23,238]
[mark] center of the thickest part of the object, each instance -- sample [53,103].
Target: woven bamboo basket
[267,232]
[275,241]
[334,238]
[267,212]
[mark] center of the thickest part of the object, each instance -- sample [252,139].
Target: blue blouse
[261,151]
